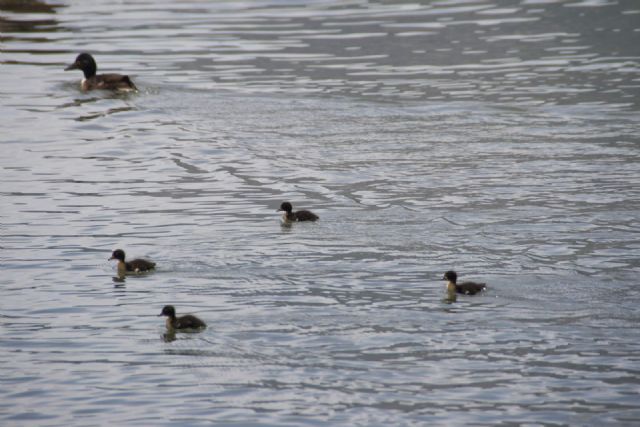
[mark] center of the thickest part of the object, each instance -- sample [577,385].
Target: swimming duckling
[303,215]
[467,288]
[87,64]
[135,266]
[188,321]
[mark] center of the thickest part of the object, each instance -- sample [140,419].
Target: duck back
[188,321]
[305,215]
[140,265]
[470,288]
[109,82]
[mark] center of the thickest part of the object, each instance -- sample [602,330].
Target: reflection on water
[24,11]
[27,6]
[169,336]
[500,140]
[102,114]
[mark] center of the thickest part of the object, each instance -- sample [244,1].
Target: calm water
[497,138]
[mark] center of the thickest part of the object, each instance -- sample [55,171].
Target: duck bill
[73,66]
[279,210]
[111,258]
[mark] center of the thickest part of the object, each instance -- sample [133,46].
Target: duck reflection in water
[119,281]
[169,336]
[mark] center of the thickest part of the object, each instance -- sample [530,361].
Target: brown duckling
[87,64]
[467,288]
[134,266]
[302,215]
[188,321]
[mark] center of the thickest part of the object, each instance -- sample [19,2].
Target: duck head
[169,311]
[286,207]
[117,254]
[450,276]
[86,63]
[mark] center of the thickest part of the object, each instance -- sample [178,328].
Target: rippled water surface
[499,139]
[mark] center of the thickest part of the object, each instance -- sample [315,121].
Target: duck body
[466,288]
[188,321]
[91,81]
[133,266]
[302,215]
[109,82]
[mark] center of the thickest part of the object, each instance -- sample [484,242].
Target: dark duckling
[134,266]
[188,321]
[87,64]
[467,288]
[289,215]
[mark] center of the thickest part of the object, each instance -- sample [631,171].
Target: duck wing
[189,321]
[114,82]
[140,265]
[306,216]
[470,288]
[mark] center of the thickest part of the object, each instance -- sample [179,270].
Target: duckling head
[286,207]
[169,311]
[117,254]
[451,276]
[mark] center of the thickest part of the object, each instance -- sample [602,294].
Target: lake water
[497,138]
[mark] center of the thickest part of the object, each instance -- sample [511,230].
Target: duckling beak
[73,66]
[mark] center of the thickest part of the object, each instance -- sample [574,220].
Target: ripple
[498,141]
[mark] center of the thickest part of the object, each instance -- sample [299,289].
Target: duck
[188,321]
[302,215]
[87,64]
[467,288]
[134,266]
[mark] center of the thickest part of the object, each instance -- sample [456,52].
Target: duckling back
[188,321]
[305,215]
[470,288]
[140,265]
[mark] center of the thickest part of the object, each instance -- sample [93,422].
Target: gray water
[496,138]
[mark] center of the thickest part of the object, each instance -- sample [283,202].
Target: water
[498,138]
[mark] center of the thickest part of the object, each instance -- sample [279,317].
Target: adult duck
[87,64]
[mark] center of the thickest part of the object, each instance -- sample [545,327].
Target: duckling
[87,64]
[467,288]
[135,266]
[303,215]
[188,321]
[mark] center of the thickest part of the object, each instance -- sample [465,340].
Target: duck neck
[288,216]
[122,267]
[171,322]
[90,71]
[451,286]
